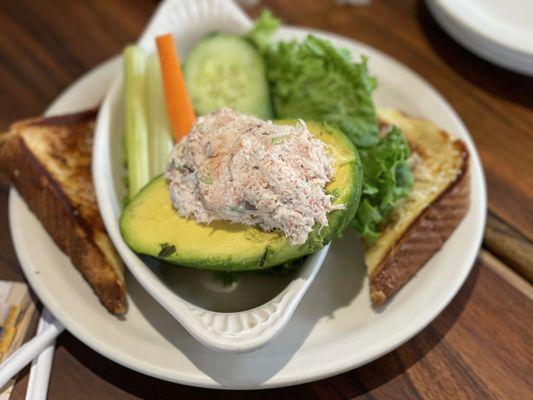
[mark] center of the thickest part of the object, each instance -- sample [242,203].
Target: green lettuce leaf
[314,80]
[263,30]
[387,179]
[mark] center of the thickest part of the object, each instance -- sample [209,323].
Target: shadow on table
[486,76]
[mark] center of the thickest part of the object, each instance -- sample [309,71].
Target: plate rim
[282,379]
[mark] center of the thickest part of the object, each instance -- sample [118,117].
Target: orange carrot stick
[179,107]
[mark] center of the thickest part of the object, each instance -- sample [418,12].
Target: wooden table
[479,347]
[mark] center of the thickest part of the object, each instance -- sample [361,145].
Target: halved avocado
[150,225]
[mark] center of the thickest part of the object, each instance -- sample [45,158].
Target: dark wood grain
[44,46]
[479,347]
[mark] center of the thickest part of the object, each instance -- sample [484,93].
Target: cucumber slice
[225,70]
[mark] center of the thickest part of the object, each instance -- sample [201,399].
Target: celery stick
[136,119]
[160,134]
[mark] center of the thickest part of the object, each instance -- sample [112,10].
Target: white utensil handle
[20,358]
[42,365]
[40,375]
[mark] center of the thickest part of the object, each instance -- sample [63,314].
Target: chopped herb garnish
[237,209]
[167,249]
[207,179]
[279,139]
[263,259]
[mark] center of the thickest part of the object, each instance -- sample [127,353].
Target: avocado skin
[151,226]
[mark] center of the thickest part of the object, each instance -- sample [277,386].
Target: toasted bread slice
[49,162]
[421,223]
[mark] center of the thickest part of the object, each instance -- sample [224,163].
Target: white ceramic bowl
[243,330]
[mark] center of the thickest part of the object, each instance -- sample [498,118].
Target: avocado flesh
[150,225]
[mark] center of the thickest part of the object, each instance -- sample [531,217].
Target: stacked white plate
[500,31]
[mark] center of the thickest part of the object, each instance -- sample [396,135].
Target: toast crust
[71,219]
[425,235]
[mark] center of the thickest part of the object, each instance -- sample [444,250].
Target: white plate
[333,330]
[500,31]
